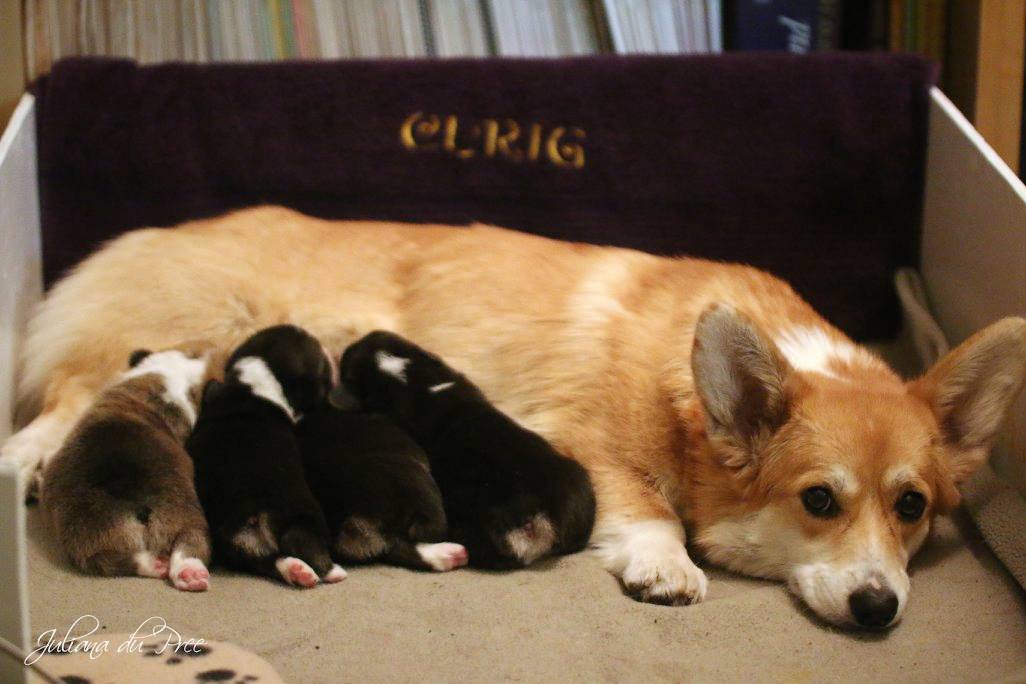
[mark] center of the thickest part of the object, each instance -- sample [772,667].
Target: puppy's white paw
[336,574]
[296,572]
[444,556]
[189,574]
[148,565]
[669,578]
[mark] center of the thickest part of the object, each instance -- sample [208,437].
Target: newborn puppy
[249,471]
[375,486]
[120,493]
[509,496]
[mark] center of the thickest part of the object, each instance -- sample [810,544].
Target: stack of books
[250,30]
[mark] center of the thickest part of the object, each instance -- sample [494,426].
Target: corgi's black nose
[873,607]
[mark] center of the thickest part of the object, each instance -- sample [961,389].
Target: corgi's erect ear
[739,375]
[971,389]
[137,356]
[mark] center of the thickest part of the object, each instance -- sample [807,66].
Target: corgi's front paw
[670,579]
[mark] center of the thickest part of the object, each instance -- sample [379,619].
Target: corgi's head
[821,468]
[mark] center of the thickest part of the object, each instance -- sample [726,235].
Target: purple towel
[810,167]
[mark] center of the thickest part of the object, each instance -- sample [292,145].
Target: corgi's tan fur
[593,348]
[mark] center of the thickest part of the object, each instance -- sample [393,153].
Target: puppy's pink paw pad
[192,575]
[443,557]
[296,572]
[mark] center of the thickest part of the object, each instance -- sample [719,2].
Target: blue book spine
[778,25]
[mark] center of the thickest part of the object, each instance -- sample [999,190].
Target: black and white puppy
[249,471]
[509,496]
[375,486]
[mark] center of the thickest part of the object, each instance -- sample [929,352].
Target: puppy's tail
[531,540]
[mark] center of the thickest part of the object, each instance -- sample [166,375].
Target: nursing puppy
[510,497]
[120,493]
[375,486]
[249,472]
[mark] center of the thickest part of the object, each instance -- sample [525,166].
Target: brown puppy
[120,492]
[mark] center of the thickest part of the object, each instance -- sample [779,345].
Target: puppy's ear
[739,375]
[211,390]
[971,389]
[342,398]
[137,356]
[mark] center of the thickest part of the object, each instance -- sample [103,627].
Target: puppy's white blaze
[180,374]
[336,574]
[444,556]
[809,348]
[649,555]
[253,371]
[393,365]
[533,540]
[440,387]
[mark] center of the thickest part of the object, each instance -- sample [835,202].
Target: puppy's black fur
[249,470]
[374,484]
[509,496]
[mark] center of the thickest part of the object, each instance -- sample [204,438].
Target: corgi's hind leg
[305,560]
[121,555]
[32,447]
[189,558]
[440,557]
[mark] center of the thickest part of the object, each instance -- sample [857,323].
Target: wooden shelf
[12,66]
[984,69]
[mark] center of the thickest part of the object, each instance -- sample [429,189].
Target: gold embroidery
[449,144]
[565,153]
[493,138]
[417,127]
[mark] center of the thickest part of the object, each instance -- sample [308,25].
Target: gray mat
[567,621]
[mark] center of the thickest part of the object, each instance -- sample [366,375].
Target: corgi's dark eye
[910,506]
[820,502]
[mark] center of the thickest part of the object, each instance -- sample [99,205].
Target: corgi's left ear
[971,389]
[740,376]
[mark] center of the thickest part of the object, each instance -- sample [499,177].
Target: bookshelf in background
[979,43]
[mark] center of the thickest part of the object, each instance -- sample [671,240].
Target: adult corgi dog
[698,395]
